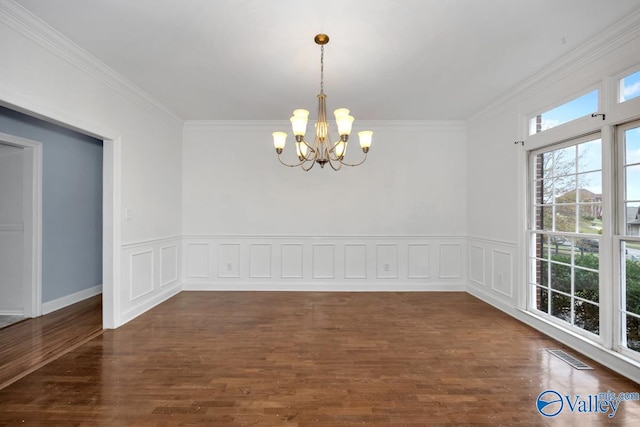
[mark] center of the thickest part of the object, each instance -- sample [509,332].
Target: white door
[12,298]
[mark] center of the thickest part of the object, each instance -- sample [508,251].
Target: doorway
[20,237]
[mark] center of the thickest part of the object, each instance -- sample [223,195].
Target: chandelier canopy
[321,150]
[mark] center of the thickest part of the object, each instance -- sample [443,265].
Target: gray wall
[71,204]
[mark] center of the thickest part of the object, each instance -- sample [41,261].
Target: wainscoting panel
[502,268]
[168,265]
[492,270]
[141,282]
[342,263]
[260,261]
[197,260]
[229,260]
[387,261]
[476,264]
[355,261]
[151,272]
[451,261]
[291,262]
[419,261]
[323,261]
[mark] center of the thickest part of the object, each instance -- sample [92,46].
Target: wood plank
[272,358]
[33,343]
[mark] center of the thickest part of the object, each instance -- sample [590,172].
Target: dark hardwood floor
[32,343]
[283,358]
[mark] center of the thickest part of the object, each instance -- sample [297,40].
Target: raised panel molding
[229,260]
[141,282]
[260,261]
[151,274]
[292,261]
[450,261]
[476,264]
[419,266]
[168,265]
[355,261]
[492,269]
[197,260]
[323,266]
[340,263]
[387,261]
[501,265]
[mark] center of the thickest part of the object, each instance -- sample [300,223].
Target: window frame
[531,256]
[619,237]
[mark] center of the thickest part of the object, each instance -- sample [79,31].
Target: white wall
[496,173]
[240,206]
[11,230]
[44,74]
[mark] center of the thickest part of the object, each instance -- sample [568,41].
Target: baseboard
[62,302]
[149,304]
[326,287]
[11,312]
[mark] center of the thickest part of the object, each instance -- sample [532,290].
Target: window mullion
[609,281]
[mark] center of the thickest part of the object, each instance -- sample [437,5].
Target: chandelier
[321,150]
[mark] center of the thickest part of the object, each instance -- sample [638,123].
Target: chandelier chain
[322,69]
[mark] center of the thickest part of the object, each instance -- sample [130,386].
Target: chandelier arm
[334,167]
[312,151]
[288,165]
[355,164]
[313,162]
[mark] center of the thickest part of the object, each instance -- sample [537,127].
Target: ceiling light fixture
[322,150]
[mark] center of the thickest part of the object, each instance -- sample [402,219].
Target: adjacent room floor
[307,358]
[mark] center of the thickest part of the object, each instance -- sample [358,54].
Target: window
[629,87]
[574,109]
[629,229]
[566,231]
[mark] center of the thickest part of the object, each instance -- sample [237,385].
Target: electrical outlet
[386,267]
[229,266]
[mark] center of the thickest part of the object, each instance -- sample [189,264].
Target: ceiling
[386,60]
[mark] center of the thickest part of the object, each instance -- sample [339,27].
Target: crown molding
[618,34]
[36,30]
[376,125]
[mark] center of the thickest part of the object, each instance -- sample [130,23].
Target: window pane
[561,306]
[633,183]
[544,218]
[566,218]
[542,246]
[560,277]
[632,145]
[579,107]
[590,187]
[590,218]
[630,87]
[587,283]
[588,261]
[590,156]
[542,299]
[565,189]
[544,191]
[633,333]
[632,282]
[633,219]
[587,246]
[587,316]
[564,161]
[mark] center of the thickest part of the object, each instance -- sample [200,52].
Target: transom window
[579,107]
[629,87]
